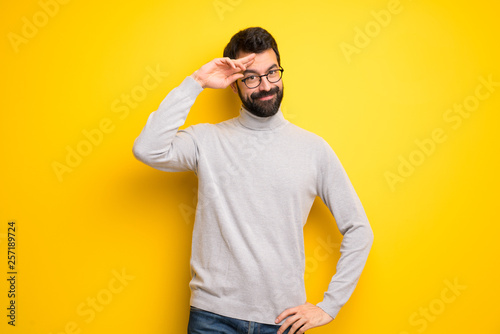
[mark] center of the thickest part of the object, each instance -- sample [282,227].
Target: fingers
[301,318]
[232,78]
[292,314]
[221,72]
[287,324]
[246,61]
[229,62]
[240,64]
[285,314]
[299,327]
[297,323]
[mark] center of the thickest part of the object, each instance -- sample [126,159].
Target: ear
[233,87]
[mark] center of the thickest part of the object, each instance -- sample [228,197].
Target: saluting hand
[221,72]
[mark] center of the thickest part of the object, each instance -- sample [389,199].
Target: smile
[265,98]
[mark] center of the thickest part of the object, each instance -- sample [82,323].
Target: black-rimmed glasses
[253,80]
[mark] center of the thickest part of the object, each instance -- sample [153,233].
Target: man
[258,177]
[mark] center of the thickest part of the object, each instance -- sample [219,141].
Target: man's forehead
[263,61]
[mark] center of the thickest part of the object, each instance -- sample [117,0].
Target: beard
[263,108]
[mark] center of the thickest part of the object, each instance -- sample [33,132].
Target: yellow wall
[102,245]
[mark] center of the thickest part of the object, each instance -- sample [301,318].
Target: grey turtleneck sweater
[257,180]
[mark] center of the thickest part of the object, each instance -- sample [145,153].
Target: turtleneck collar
[249,120]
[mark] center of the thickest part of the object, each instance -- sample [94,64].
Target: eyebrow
[252,71]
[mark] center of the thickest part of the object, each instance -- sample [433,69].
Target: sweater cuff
[331,310]
[191,85]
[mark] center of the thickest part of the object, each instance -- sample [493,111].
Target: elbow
[140,153]
[363,233]
[156,159]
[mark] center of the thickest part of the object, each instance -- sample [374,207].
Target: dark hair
[251,40]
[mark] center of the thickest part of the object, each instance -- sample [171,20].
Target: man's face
[264,100]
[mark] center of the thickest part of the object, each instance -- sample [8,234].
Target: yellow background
[111,214]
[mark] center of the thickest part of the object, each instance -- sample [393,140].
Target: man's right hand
[221,72]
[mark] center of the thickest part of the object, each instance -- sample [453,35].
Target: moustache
[258,95]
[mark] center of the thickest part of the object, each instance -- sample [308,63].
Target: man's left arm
[337,192]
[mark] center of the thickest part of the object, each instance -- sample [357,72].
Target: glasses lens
[274,75]
[252,81]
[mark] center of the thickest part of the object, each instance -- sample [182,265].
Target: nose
[265,85]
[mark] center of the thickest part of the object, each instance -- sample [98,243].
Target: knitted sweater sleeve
[337,192]
[161,144]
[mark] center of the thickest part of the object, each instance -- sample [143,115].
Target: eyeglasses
[253,80]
